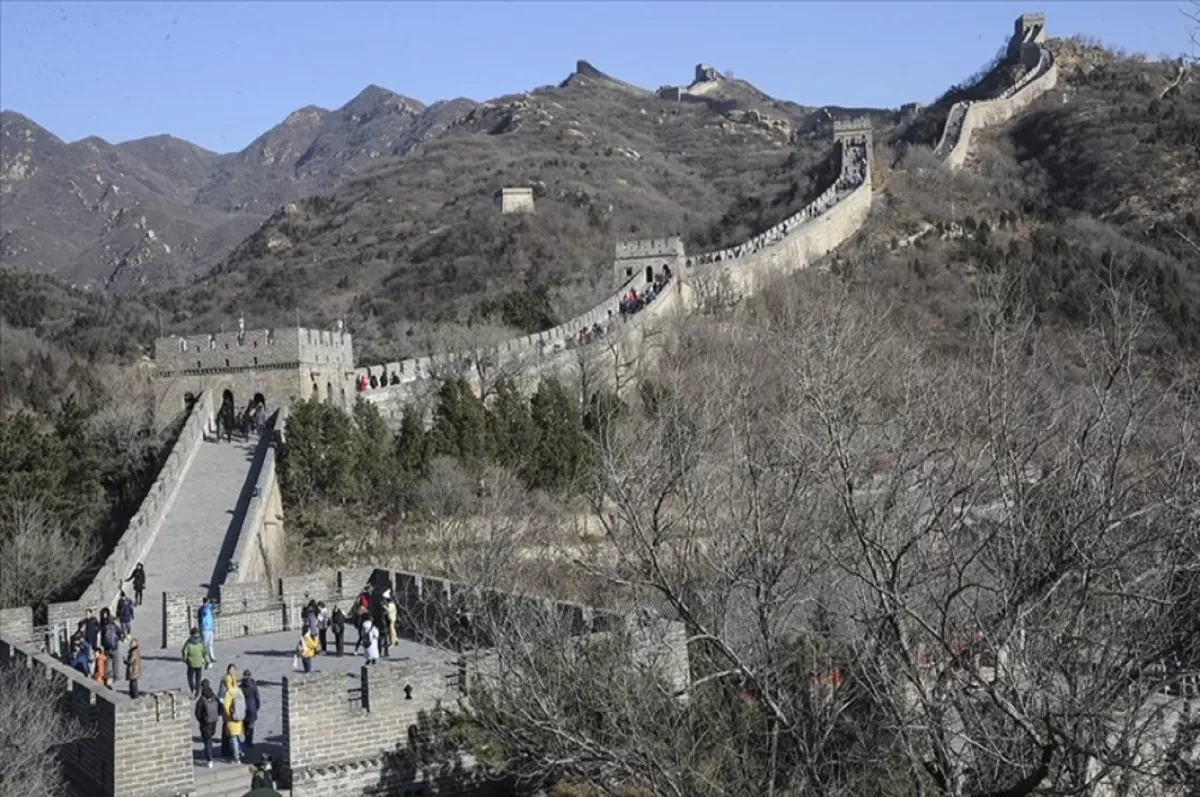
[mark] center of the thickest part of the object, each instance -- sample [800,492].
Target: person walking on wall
[91,628]
[125,614]
[307,650]
[338,623]
[194,657]
[234,705]
[208,711]
[323,626]
[206,626]
[372,635]
[253,705]
[133,666]
[228,684]
[390,613]
[110,640]
[101,667]
[138,577]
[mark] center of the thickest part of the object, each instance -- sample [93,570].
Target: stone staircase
[199,532]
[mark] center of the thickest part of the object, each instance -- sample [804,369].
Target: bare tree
[900,573]
[37,555]
[35,726]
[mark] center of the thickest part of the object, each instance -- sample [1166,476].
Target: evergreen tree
[563,453]
[460,425]
[320,455]
[413,444]
[514,436]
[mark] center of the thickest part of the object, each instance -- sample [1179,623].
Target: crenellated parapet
[1028,45]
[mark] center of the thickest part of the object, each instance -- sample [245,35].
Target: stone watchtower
[276,365]
[858,130]
[514,200]
[1029,32]
[636,261]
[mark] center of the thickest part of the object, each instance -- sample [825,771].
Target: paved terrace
[269,658]
[198,535]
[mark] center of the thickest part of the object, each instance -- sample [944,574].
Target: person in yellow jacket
[233,711]
[307,649]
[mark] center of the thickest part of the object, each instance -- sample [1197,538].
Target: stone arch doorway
[227,398]
[329,393]
[189,398]
[316,394]
[260,399]
[649,274]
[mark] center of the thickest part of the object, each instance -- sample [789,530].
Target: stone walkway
[199,533]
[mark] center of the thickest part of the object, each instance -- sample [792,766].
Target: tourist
[138,577]
[101,666]
[253,704]
[234,706]
[81,656]
[91,628]
[307,649]
[323,625]
[194,657]
[390,613]
[339,630]
[312,621]
[110,640]
[133,666]
[125,615]
[207,631]
[372,641]
[228,683]
[207,714]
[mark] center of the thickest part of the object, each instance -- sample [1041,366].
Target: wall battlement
[649,247]
[133,748]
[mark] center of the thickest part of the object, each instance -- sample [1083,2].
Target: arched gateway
[271,365]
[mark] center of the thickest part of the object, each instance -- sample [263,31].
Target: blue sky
[221,73]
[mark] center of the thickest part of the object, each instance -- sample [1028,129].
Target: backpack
[208,711]
[110,637]
[237,709]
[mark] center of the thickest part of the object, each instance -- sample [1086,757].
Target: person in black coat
[253,704]
[138,577]
[91,629]
[338,624]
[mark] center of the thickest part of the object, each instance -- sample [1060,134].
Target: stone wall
[255,608]
[258,555]
[966,117]
[144,527]
[133,748]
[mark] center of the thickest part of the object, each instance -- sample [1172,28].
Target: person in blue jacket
[205,625]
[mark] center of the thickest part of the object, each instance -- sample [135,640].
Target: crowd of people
[93,649]
[253,417]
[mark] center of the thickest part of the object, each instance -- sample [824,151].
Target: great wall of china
[143,747]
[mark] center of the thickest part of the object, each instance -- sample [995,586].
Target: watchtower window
[226,362]
[212,343]
[255,344]
[270,337]
[183,344]
[198,364]
[256,361]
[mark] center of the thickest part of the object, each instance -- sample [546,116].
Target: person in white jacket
[372,635]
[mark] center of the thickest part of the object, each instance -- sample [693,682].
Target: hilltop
[1096,184]
[158,211]
[407,244]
